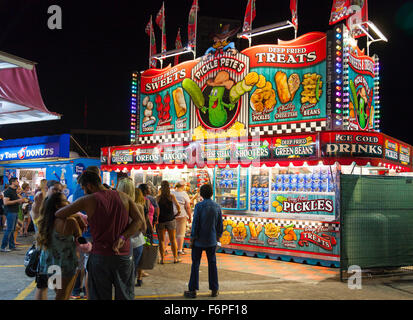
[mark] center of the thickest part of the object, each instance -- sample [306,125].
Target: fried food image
[225,238]
[263,98]
[251,78]
[254,231]
[261,81]
[293,84]
[239,230]
[312,85]
[272,230]
[179,102]
[282,87]
[289,234]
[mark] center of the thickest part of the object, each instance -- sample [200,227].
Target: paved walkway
[240,278]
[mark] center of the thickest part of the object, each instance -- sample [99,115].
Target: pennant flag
[152,45]
[178,45]
[293,8]
[160,21]
[360,16]
[249,15]
[192,21]
[339,11]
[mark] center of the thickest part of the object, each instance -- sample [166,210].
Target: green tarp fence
[376,221]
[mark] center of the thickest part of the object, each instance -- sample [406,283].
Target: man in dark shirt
[207,228]
[11,207]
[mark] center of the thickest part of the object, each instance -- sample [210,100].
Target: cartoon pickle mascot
[221,43]
[216,106]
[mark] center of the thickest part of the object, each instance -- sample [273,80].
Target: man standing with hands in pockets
[207,228]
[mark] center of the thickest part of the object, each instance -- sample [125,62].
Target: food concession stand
[271,128]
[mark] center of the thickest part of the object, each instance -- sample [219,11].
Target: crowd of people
[97,239]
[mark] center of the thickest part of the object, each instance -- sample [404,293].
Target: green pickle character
[216,107]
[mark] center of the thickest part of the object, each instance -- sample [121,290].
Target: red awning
[20,96]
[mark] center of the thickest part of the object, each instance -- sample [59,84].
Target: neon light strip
[376,94]
[134,88]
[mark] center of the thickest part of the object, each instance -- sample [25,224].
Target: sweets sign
[164,108]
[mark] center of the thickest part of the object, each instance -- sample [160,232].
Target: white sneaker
[5,250]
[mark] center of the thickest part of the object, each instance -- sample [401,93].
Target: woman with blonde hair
[39,197]
[166,220]
[126,185]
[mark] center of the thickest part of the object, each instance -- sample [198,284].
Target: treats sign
[291,80]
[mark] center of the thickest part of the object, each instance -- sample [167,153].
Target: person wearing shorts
[166,221]
[184,217]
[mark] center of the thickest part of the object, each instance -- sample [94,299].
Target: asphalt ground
[241,278]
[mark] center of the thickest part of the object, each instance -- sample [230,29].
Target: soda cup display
[260,200]
[253,191]
[253,200]
[265,207]
[301,186]
[274,186]
[259,207]
[265,192]
[279,186]
[286,186]
[259,192]
[301,178]
[279,178]
[293,187]
[315,186]
[230,183]
[323,187]
[309,186]
[266,200]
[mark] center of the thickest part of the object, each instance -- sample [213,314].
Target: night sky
[91,59]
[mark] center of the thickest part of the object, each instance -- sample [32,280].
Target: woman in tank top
[166,220]
[57,240]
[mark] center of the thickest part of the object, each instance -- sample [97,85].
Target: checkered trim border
[165,138]
[299,224]
[285,128]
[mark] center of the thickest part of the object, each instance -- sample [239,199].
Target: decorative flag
[359,16]
[160,21]
[178,45]
[249,15]
[152,46]
[339,11]
[293,8]
[192,21]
